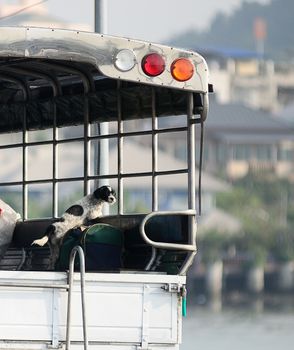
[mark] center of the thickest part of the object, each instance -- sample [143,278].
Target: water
[255,325]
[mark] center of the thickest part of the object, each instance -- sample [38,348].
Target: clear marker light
[125,60]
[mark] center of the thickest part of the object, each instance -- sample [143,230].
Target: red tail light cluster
[181,69]
[153,64]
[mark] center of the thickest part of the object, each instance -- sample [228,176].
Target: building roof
[239,124]
[287,114]
[241,118]
[238,121]
[251,138]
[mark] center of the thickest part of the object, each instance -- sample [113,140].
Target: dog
[79,214]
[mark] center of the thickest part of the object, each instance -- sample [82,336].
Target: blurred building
[240,139]
[242,77]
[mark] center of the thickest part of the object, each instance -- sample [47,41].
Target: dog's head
[106,194]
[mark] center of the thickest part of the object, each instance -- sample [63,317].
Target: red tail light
[182,69]
[153,64]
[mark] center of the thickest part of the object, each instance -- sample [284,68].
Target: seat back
[136,252]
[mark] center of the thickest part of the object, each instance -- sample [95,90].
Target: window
[263,152]
[221,154]
[241,152]
[285,154]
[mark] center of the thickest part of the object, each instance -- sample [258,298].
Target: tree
[258,200]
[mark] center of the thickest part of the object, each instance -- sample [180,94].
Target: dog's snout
[111,199]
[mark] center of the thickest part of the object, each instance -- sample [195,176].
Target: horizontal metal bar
[95,177]
[42,181]
[41,143]
[11,145]
[93,137]
[34,285]
[150,132]
[156,173]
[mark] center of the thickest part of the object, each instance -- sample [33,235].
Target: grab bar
[190,248]
[165,245]
[73,253]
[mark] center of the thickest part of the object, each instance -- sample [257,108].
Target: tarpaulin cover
[131,101]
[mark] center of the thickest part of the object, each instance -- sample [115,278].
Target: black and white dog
[79,214]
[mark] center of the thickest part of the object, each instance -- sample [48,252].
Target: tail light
[182,69]
[153,64]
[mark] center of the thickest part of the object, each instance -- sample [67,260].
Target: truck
[66,98]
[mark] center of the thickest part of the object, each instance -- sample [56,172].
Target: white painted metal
[124,311]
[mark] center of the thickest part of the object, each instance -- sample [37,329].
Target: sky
[152,20]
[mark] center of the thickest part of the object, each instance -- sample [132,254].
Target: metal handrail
[190,248]
[73,253]
[165,245]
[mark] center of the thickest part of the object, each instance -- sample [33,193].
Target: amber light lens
[153,64]
[182,69]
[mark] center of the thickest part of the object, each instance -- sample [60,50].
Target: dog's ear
[102,193]
[97,193]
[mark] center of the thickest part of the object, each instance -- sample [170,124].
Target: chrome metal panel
[100,50]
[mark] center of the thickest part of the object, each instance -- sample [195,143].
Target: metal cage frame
[28,72]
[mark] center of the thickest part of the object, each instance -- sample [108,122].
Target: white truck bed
[124,310]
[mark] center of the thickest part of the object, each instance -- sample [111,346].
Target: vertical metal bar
[203,117]
[73,253]
[120,130]
[154,170]
[191,152]
[55,164]
[87,83]
[191,144]
[24,167]
[200,167]
[86,143]
[104,158]
[154,153]
[26,94]
[100,26]
[57,90]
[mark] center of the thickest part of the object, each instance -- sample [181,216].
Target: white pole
[103,166]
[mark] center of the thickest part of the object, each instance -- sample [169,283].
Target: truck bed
[124,310]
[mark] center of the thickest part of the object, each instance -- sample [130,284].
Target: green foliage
[265,206]
[256,245]
[212,245]
[283,246]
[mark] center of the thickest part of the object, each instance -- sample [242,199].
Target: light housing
[125,60]
[153,64]
[182,69]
